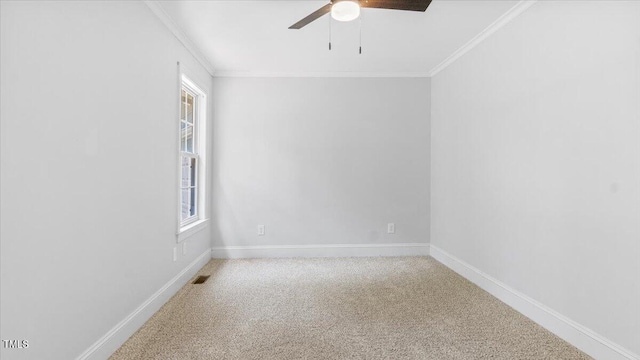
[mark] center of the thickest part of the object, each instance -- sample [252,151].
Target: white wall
[536,161]
[89,169]
[321,161]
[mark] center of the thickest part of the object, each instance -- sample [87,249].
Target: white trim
[579,336]
[200,149]
[112,340]
[188,154]
[192,85]
[511,14]
[166,19]
[330,74]
[320,250]
[188,230]
[159,11]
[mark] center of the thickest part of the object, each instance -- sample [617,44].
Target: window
[191,109]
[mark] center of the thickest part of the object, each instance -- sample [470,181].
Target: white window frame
[199,220]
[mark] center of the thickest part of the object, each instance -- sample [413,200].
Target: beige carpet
[348,308]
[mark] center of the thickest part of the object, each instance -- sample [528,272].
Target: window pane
[192,211]
[188,136]
[183,136]
[183,108]
[186,172]
[186,204]
[193,172]
[190,102]
[188,187]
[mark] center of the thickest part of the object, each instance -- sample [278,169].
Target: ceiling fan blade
[411,5]
[311,17]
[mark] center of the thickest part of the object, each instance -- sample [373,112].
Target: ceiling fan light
[345,10]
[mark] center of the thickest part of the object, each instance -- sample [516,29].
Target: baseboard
[332,250]
[112,340]
[579,336]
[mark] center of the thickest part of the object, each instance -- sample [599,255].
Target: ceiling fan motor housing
[345,10]
[353,9]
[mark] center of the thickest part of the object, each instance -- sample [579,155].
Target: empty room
[317,179]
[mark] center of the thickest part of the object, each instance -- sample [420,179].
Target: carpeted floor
[345,308]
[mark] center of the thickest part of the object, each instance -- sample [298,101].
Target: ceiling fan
[347,10]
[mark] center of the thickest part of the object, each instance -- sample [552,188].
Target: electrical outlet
[184,248]
[175,253]
[391,228]
[260,230]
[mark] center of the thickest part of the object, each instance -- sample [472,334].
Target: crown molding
[511,14]
[159,11]
[325,74]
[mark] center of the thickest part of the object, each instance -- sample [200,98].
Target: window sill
[191,229]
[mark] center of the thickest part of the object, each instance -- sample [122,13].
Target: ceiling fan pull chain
[329,32]
[360,24]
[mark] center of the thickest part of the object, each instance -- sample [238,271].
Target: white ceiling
[252,37]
